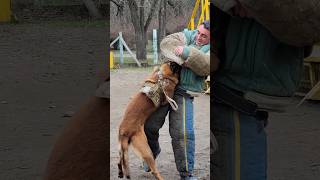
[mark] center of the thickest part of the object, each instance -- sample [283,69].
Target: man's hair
[206,25]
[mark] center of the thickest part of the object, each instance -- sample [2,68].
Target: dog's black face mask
[175,68]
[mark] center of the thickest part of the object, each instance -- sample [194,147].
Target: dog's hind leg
[142,149]
[120,174]
[124,157]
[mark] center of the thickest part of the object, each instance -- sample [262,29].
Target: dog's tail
[123,165]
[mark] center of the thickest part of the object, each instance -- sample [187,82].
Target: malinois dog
[82,148]
[131,130]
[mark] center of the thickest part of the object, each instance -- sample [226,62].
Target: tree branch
[93,10]
[141,11]
[171,3]
[152,11]
[120,6]
[176,5]
[134,13]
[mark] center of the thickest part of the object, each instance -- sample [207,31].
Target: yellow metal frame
[5,10]
[111,60]
[204,6]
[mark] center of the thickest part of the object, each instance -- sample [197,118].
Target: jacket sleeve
[198,61]
[169,44]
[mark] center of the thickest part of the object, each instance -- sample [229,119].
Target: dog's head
[171,70]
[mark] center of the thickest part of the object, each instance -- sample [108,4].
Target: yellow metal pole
[111,60]
[204,13]
[207,6]
[200,20]
[194,13]
[5,10]
[192,24]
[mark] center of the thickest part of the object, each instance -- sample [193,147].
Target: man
[194,51]
[252,64]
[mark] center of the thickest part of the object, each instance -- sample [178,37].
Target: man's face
[203,36]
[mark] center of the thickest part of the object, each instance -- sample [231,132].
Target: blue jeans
[242,145]
[180,128]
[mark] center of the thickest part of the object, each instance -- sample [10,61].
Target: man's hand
[178,51]
[185,64]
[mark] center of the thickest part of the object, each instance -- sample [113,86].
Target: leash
[172,103]
[161,81]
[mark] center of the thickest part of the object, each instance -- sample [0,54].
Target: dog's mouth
[175,67]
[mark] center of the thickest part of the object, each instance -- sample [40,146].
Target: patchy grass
[129,61]
[66,23]
[81,23]
[133,69]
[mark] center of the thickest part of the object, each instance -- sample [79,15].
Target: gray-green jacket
[256,61]
[198,58]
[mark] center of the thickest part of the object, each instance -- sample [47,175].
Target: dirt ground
[293,143]
[46,72]
[124,84]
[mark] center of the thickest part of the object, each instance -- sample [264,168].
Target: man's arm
[201,63]
[170,43]
[198,61]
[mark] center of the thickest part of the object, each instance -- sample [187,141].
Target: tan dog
[131,130]
[82,150]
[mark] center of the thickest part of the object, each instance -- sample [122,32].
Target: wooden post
[121,47]
[155,47]
[5,10]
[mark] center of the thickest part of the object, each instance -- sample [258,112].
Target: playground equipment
[111,60]
[311,80]
[121,44]
[196,18]
[5,10]
[155,47]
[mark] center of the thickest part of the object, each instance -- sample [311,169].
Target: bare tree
[162,19]
[162,16]
[141,25]
[120,6]
[93,10]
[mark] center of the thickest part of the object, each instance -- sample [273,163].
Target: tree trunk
[162,21]
[141,25]
[141,46]
[141,43]
[93,10]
